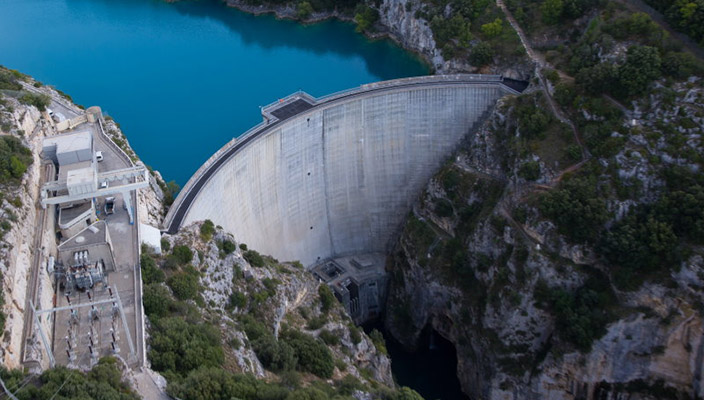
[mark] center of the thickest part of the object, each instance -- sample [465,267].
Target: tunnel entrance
[431,370]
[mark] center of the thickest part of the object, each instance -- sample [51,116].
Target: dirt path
[540,64]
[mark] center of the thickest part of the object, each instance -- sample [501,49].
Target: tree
[150,272]
[304,10]
[365,17]
[185,284]
[313,356]
[481,54]
[180,347]
[156,300]
[17,167]
[493,29]
[183,254]
[642,66]
[551,11]
[577,209]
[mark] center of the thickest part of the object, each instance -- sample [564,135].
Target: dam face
[336,176]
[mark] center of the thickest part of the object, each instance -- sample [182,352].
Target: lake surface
[182,79]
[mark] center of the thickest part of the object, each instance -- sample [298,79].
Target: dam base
[359,282]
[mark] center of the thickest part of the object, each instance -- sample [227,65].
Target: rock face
[398,16]
[16,250]
[294,303]
[477,281]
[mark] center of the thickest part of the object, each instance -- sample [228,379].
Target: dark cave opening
[430,370]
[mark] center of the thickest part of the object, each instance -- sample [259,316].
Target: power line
[12,396]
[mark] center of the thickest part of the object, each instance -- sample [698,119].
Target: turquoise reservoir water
[184,78]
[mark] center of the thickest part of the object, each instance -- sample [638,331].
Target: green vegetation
[686,16]
[170,190]
[150,271]
[178,347]
[104,381]
[581,316]
[183,254]
[378,340]
[293,350]
[185,284]
[365,17]
[304,10]
[327,298]
[14,159]
[578,208]
[207,229]
[9,79]
[41,101]
[254,258]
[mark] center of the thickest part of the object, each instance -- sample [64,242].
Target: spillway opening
[430,370]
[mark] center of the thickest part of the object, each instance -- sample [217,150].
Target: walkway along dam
[336,176]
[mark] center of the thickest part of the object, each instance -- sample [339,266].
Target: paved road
[189,196]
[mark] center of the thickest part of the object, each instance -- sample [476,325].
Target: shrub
[150,272]
[493,29]
[551,11]
[41,101]
[185,284]
[165,244]
[313,356]
[580,316]
[156,300]
[183,254]
[355,335]
[482,54]
[14,159]
[207,229]
[317,322]
[378,340]
[303,10]
[329,337]
[238,299]
[254,258]
[170,190]
[327,298]
[365,17]
[529,171]
[228,246]
[577,208]
[179,347]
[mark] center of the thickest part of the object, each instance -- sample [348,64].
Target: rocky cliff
[20,217]
[282,296]
[533,312]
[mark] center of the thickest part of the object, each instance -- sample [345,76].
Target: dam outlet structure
[334,177]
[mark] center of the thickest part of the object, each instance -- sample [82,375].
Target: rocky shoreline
[411,34]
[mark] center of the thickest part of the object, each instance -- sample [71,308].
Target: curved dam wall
[337,176]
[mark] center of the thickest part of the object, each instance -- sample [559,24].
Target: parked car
[104,184]
[99,156]
[109,205]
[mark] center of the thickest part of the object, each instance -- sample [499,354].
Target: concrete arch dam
[336,176]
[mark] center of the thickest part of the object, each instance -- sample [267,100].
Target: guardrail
[112,144]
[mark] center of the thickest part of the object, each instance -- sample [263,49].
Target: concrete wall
[340,179]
